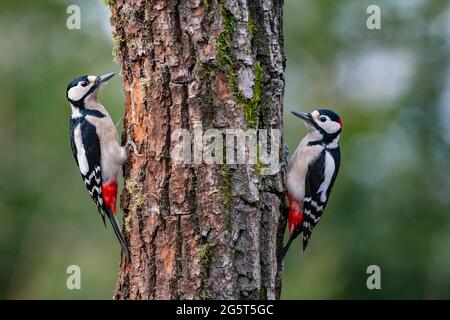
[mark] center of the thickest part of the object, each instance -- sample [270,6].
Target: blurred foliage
[46,216]
[390,205]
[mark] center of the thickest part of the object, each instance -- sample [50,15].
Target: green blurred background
[390,205]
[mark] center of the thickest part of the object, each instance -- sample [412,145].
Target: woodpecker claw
[131,143]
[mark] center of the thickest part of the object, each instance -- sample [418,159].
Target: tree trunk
[197,230]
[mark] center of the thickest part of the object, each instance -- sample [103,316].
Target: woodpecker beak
[304,115]
[103,79]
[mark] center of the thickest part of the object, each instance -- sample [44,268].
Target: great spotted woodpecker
[95,146]
[311,173]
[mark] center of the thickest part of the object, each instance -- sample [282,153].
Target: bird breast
[298,167]
[112,153]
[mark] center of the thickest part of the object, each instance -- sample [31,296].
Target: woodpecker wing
[85,145]
[318,184]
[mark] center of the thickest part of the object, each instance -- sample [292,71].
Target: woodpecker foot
[131,143]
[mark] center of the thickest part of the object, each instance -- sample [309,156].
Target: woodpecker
[95,146]
[311,172]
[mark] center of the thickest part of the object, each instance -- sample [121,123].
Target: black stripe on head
[331,114]
[327,137]
[75,82]
[80,103]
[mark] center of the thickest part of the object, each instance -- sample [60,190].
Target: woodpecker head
[325,122]
[85,88]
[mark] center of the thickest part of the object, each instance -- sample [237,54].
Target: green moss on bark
[205,255]
[230,66]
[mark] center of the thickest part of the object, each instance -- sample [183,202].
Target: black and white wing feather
[318,184]
[85,145]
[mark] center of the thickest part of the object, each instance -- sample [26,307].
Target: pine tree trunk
[200,231]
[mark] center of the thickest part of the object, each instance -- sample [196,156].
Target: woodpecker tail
[118,233]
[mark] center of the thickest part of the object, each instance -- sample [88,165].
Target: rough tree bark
[199,231]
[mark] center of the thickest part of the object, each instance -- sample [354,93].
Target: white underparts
[298,168]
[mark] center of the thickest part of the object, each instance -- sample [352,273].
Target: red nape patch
[341,122]
[295,217]
[109,190]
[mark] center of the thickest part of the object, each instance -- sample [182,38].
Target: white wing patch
[81,152]
[328,175]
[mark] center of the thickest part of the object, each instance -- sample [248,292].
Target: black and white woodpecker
[95,146]
[311,172]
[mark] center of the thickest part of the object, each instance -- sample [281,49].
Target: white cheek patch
[330,126]
[77,92]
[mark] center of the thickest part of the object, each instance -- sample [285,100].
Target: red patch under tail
[109,190]
[295,217]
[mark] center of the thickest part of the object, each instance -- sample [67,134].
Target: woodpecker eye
[84,83]
[323,119]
